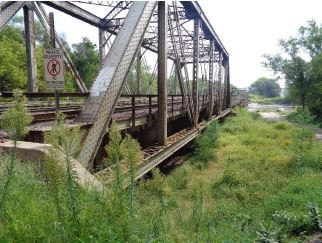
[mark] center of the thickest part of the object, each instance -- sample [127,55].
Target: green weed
[251,190]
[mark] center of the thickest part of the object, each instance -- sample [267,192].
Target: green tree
[265,87]
[13,66]
[86,59]
[13,72]
[147,80]
[290,64]
[314,97]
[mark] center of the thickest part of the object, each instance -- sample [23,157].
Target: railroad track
[43,112]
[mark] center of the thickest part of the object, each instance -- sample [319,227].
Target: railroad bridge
[191,73]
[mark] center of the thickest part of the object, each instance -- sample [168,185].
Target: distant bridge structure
[191,71]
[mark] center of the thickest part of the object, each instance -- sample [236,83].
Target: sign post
[54,71]
[54,64]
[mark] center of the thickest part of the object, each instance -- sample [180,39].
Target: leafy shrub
[179,178]
[302,117]
[65,142]
[14,122]
[206,143]
[267,235]
[299,223]
[254,115]
[282,126]
[302,143]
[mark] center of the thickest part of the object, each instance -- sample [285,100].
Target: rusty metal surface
[107,87]
[162,72]
[211,80]
[155,154]
[30,35]
[195,71]
[190,43]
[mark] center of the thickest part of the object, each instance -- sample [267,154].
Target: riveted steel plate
[99,106]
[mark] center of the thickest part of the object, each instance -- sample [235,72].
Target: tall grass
[253,188]
[14,123]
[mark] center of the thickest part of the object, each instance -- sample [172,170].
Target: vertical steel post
[211,79]
[30,34]
[227,83]
[195,70]
[133,110]
[52,30]
[175,83]
[53,45]
[219,90]
[150,108]
[138,71]
[101,44]
[162,71]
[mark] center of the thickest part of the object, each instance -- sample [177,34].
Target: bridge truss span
[163,70]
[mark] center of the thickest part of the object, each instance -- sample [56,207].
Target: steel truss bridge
[191,71]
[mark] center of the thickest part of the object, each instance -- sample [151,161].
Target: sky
[251,28]
[247,28]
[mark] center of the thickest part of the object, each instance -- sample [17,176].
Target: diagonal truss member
[8,10]
[99,106]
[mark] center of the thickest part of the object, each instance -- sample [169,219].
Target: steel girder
[195,71]
[30,35]
[99,106]
[162,72]
[194,11]
[185,13]
[227,85]
[76,12]
[219,85]
[211,79]
[178,47]
[101,45]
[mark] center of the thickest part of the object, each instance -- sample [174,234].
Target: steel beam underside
[165,153]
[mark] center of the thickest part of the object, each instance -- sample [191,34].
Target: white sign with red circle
[54,69]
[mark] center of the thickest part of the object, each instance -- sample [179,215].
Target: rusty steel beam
[219,87]
[180,61]
[169,150]
[195,70]
[44,94]
[194,11]
[30,35]
[100,105]
[227,84]
[138,71]
[162,71]
[165,153]
[101,45]
[76,12]
[83,15]
[120,6]
[211,79]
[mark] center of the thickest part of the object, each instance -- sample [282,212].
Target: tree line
[299,63]
[85,56]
